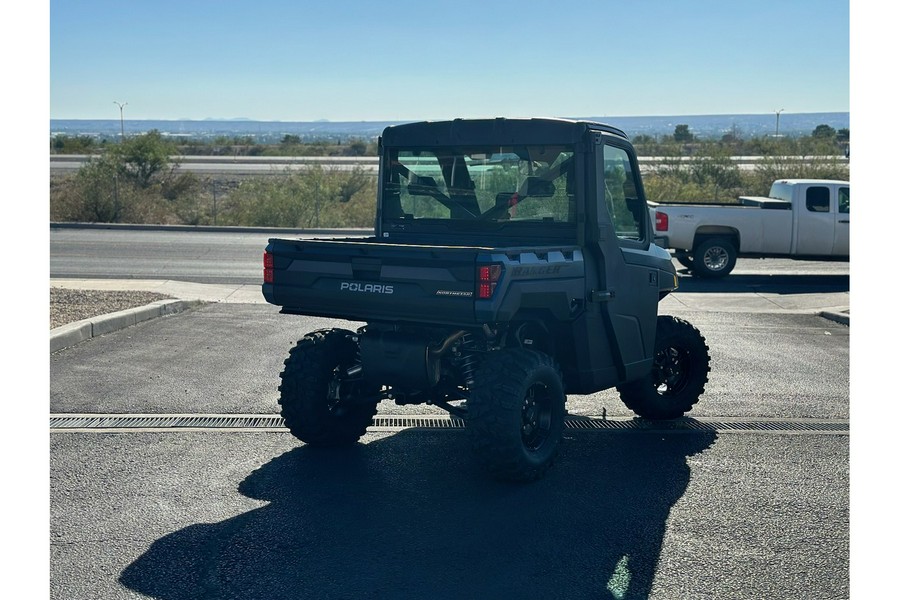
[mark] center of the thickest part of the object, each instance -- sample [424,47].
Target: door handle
[843,220]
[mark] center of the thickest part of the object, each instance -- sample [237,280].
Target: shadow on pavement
[771,284]
[411,516]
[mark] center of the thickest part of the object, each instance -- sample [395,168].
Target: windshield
[482,186]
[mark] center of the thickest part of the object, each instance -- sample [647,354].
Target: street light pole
[777,119]
[121,106]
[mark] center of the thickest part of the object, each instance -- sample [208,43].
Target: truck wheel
[320,403]
[679,374]
[684,259]
[516,412]
[715,257]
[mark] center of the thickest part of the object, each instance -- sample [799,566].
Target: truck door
[816,220]
[842,227]
[627,293]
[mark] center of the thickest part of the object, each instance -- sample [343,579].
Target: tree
[356,148]
[824,132]
[141,157]
[683,134]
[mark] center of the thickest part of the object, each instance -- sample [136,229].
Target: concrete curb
[838,317]
[74,333]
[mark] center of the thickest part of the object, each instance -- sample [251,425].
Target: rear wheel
[715,257]
[322,403]
[679,374]
[516,412]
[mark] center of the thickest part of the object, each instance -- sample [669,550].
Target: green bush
[316,197]
[67,144]
[133,182]
[99,194]
[142,157]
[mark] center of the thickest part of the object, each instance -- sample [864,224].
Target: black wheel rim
[671,370]
[341,391]
[537,416]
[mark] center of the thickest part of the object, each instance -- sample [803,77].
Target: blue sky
[406,60]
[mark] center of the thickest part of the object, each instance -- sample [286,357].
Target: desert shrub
[103,192]
[92,195]
[315,197]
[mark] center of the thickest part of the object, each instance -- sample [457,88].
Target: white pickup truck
[801,218]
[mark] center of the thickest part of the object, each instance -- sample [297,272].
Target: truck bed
[762,202]
[371,280]
[762,225]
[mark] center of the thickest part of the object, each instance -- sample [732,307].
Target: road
[189,256]
[754,503]
[235,257]
[259,165]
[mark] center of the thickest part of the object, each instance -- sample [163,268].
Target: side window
[844,200]
[818,199]
[620,194]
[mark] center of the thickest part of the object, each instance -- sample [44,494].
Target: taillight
[268,268]
[662,221]
[488,276]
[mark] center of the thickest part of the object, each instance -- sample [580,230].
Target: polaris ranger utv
[512,263]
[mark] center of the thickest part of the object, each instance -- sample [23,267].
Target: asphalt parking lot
[716,512]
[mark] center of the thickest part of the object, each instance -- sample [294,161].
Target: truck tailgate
[367,280]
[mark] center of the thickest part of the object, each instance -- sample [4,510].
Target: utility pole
[121,106]
[777,119]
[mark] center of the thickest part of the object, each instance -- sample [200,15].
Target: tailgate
[371,281]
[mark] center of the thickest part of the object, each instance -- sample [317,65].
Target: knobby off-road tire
[714,258]
[516,412]
[317,407]
[679,374]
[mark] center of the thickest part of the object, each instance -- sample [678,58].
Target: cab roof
[501,131]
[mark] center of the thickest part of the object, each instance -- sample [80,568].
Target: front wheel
[679,374]
[714,258]
[322,403]
[516,412]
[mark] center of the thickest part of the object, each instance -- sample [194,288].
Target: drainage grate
[166,422]
[397,422]
[691,424]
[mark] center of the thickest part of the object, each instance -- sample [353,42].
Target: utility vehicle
[512,263]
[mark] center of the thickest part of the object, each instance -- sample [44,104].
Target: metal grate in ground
[68,422]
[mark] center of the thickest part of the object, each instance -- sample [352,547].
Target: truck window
[818,199]
[488,185]
[625,208]
[844,200]
[782,191]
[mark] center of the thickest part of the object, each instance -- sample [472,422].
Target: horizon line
[591,117]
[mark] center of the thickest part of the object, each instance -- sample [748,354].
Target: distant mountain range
[706,126]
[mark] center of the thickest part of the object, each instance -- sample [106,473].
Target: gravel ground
[68,306]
